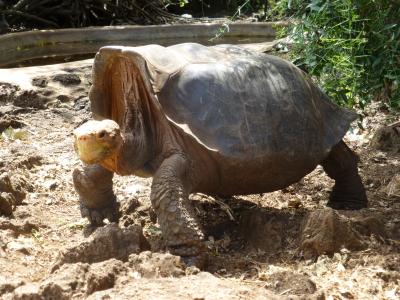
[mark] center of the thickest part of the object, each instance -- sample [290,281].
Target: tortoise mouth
[96,141]
[91,152]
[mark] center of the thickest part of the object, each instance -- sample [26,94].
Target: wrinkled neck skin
[134,156]
[148,140]
[147,136]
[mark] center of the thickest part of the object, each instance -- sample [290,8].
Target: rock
[50,184]
[63,98]
[387,138]
[20,247]
[19,226]
[326,232]
[6,109]
[6,204]
[22,158]
[82,104]
[67,79]
[106,242]
[69,280]
[129,205]
[200,287]
[153,265]
[7,285]
[28,291]
[290,283]
[8,121]
[7,91]
[268,230]
[103,275]
[393,188]
[12,192]
[368,225]
[40,81]
[29,98]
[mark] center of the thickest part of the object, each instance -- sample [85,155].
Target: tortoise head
[97,141]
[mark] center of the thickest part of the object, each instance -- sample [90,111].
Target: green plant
[15,134]
[224,28]
[182,3]
[37,236]
[352,47]
[281,9]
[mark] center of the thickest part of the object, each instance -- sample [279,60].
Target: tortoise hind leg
[348,192]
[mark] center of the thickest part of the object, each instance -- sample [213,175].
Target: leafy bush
[351,46]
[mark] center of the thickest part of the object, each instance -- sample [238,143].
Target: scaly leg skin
[348,192]
[93,183]
[180,227]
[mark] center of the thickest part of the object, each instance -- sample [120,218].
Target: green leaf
[182,3]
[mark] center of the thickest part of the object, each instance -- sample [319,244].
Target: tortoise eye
[102,134]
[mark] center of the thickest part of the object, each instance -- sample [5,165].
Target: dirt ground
[281,245]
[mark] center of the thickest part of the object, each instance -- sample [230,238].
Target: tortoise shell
[241,104]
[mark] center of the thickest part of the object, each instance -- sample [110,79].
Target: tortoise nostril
[102,134]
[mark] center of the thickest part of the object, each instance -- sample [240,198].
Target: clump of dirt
[67,79]
[281,245]
[83,279]
[104,243]
[8,121]
[326,232]
[297,284]
[20,97]
[154,265]
[387,138]
[13,190]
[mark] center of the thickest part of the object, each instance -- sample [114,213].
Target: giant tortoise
[218,120]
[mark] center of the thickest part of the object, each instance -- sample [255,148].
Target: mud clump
[7,204]
[387,138]
[7,90]
[103,275]
[269,230]
[21,159]
[13,190]
[26,292]
[8,121]
[40,81]
[326,232]
[10,93]
[18,226]
[7,285]
[393,188]
[154,265]
[82,279]
[67,281]
[82,103]
[295,284]
[105,242]
[67,79]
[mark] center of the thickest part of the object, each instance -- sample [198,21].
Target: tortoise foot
[192,255]
[96,216]
[348,205]
[199,261]
[348,198]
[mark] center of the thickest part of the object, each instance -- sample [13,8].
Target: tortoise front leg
[93,183]
[170,199]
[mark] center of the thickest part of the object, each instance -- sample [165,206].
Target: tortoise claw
[194,255]
[97,215]
[199,261]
